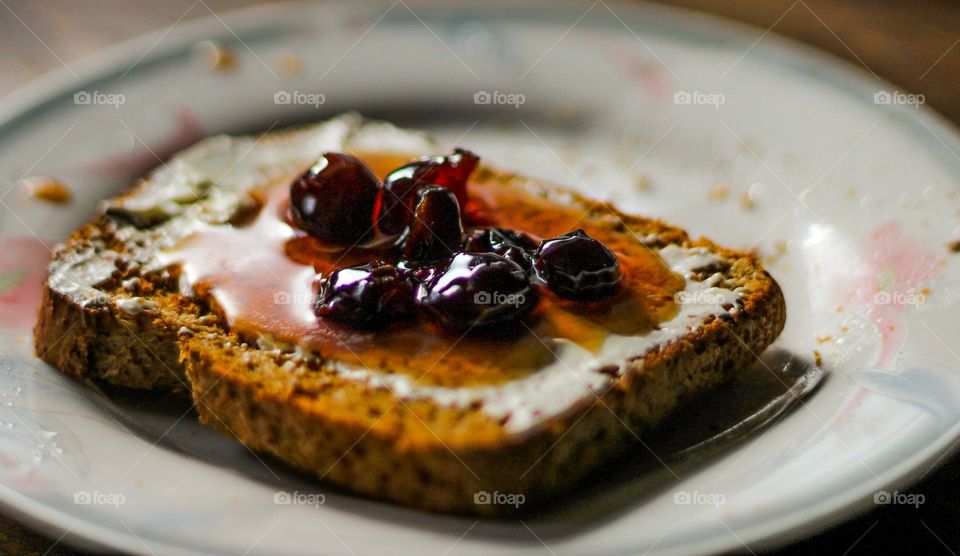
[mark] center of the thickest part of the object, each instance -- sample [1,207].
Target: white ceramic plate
[851,199]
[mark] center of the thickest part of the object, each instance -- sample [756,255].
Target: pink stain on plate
[640,65]
[23,268]
[891,281]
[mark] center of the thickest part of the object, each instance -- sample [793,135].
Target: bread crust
[438,459]
[410,451]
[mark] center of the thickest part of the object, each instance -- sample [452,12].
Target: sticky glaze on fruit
[435,231]
[333,201]
[577,266]
[509,244]
[401,186]
[476,291]
[487,285]
[373,295]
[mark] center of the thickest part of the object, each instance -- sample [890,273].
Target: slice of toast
[114,310]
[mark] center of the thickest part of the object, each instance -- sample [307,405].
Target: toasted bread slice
[113,310]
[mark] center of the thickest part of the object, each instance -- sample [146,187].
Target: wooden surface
[914,44]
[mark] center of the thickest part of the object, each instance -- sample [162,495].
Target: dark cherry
[478,291]
[435,231]
[399,197]
[369,296]
[334,200]
[578,267]
[509,244]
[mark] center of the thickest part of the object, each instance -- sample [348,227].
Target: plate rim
[22,104]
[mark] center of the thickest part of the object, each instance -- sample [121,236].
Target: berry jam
[374,295]
[485,285]
[264,274]
[577,266]
[478,291]
[435,231]
[510,244]
[401,186]
[333,201]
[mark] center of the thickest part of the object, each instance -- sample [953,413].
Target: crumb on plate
[289,63]
[719,192]
[46,189]
[213,56]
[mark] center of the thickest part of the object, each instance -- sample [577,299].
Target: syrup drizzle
[260,274]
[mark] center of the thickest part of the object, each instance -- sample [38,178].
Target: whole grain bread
[108,313]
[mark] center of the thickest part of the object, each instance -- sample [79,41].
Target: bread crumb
[851,192]
[569,153]
[213,56]
[954,246]
[289,63]
[135,305]
[130,284]
[746,202]
[779,250]
[817,358]
[642,183]
[46,189]
[718,192]
[824,339]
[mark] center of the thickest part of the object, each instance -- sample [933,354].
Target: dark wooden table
[916,45]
